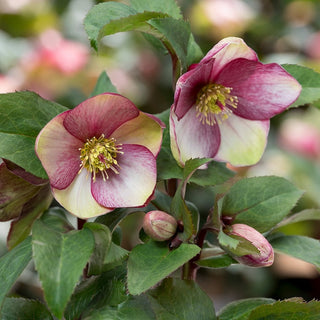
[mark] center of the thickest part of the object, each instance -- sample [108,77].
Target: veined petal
[263,90]
[101,114]
[192,139]
[58,152]
[242,141]
[143,130]
[186,91]
[77,198]
[134,184]
[226,50]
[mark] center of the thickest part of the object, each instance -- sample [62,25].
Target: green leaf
[113,218]
[102,236]
[260,202]
[24,309]
[214,258]
[23,115]
[56,218]
[169,7]
[227,241]
[241,309]
[304,215]
[151,262]
[300,247]
[59,263]
[103,85]
[181,299]
[12,264]
[288,310]
[309,80]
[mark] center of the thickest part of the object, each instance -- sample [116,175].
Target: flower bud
[159,225]
[264,256]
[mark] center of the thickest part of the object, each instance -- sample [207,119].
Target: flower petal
[263,90]
[192,139]
[134,184]
[226,50]
[77,198]
[58,152]
[242,141]
[101,114]
[143,130]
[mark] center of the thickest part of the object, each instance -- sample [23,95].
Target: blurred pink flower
[101,155]
[223,104]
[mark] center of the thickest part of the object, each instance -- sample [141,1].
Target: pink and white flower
[223,105]
[101,155]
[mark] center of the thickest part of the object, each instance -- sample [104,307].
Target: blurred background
[44,48]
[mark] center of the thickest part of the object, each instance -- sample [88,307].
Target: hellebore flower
[223,104]
[159,225]
[101,155]
[264,256]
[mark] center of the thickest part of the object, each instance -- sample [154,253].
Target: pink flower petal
[98,115]
[58,152]
[242,141]
[143,130]
[134,184]
[77,198]
[227,50]
[263,90]
[192,139]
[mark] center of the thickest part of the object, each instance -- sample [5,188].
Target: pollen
[215,103]
[100,156]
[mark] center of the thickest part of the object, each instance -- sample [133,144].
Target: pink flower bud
[262,259]
[159,225]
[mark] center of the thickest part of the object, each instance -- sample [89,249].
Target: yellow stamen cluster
[99,155]
[214,102]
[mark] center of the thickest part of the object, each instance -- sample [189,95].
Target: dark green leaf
[260,202]
[23,115]
[56,218]
[59,263]
[113,218]
[309,80]
[241,309]
[214,258]
[300,247]
[151,262]
[103,85]
[24,309]
[177,299]
[12,264]
[287,310]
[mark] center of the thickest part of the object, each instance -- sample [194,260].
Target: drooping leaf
[23,115]
[24,309]
[181,299]
[260,202]
[103,85]
[59,263]
[12,264]
[300,247]
[151,262]
[241,309]
[309,80]
[288,309]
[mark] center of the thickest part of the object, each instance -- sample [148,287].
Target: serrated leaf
[102,237]
[103,85]
[151,262]
[241,309]
[260,202]
[23,115]
[288,310]
[300,247]
[169,7]
[59,263]
[24,309]
[12,264]
[181,299]
[309,80]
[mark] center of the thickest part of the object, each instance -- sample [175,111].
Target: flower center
[214,102]
[99,155]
